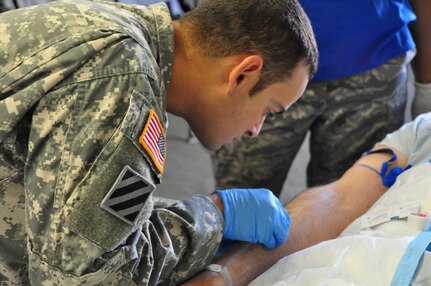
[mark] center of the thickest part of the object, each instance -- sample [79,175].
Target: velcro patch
[154,141]
[128,195]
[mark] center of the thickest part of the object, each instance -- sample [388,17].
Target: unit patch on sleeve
[128,195]
[153,140]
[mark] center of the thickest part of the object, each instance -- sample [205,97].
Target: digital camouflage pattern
[77,82]
[345,118]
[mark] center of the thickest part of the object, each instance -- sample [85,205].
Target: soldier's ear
[245,74]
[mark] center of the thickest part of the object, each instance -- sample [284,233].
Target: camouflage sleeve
[194,229]
[89,207]
[89,191]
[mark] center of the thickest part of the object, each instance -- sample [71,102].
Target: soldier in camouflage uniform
[84,90]
[356,97]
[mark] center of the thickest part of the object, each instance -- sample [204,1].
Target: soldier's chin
[209,141]
[210,145]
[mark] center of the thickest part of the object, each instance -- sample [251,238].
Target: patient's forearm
[318,214]
[247,261]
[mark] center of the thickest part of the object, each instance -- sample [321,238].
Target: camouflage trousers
[344,117]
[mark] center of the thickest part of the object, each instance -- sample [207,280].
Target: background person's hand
[422,100]
[254,215]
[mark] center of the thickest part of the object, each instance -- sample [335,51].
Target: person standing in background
[421,63]
[357,96]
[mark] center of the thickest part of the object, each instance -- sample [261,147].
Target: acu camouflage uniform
[78,80]
[345,117]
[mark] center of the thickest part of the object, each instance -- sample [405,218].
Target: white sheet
[359,256]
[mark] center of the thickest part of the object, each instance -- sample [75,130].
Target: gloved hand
[254,215]
[422,100]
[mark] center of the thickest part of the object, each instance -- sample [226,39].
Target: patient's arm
[318,214]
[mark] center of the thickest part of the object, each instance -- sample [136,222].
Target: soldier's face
[244,115]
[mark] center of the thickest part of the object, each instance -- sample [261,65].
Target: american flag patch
[128,195]
[153,140]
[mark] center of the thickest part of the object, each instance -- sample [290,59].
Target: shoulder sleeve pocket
[115,198]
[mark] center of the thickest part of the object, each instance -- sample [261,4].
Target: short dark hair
[278,30]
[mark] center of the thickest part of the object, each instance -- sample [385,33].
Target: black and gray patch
[128,195]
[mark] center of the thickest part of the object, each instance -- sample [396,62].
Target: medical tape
[395,212]
[409,262]
[419,221]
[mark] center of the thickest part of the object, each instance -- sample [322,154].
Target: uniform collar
[165,49]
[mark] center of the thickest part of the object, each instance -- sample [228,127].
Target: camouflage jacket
[82,148]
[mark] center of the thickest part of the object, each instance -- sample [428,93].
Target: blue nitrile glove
[254,215]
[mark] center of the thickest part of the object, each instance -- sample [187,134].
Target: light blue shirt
[413,139]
